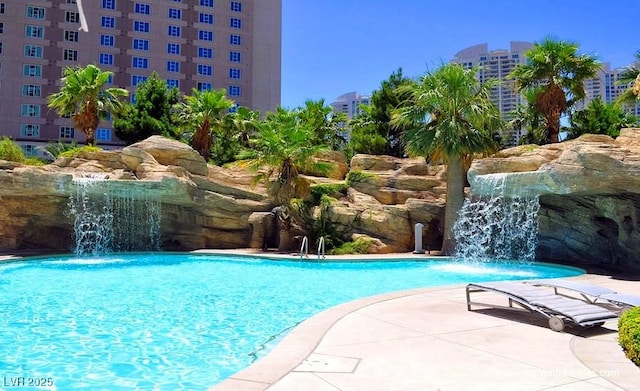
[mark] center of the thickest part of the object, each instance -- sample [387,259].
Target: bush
[11,151]
[55,149]
[629,334]
[358,246]
[74,152]
[334,190]
[356,176]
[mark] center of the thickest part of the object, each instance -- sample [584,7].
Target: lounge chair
[591,293]
[557,309]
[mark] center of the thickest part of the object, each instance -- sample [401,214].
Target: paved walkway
[427,340]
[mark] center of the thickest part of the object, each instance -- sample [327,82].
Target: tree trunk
[91,137]
[202,140]
[455,198]
[553,124]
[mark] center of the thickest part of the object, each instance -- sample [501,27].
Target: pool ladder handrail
[321,248]
[304,248]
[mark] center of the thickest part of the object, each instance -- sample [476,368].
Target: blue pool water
[185,321]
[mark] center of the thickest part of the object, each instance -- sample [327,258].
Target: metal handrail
[304,248]
[321,247]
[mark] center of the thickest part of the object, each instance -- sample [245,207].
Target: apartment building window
[140,62]
[234,90]
[235,39]
[141,44]
[0,47]
[235,23]
[205,18]
[110,79]
[34,31]
[31,70]
[206,3]
[103,134]
[33,51]
[71,1]
[106,59]
[205,70]
[204,86]
[70,55]
[234,73]
[108,22]
[235,56]
[142,8]
[71,17]
[141,26]
[29,110]
[2,8]
[173,48]
[205,52]
[67,132]
[175,13]
[236,6]
[1,27]
[205,35]
[31,90]
[107,40]
[136,79]
[109,4]
[35,12]
[29,130]
[173,66]
[173,31]
[28,149]
[71,36]
[173,83]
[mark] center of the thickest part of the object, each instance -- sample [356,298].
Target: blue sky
[330,47]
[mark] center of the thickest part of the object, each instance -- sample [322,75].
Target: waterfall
[496,226]
[111,217]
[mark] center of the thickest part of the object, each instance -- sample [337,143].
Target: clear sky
[331,47]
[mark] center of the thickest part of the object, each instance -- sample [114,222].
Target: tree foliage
[84,97]
[600,118]
[451,118]
[631,77]
[150,114]
[203,111]
[325,124]
[556,71]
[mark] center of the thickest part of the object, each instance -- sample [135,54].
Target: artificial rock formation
[589,192]
[205,206]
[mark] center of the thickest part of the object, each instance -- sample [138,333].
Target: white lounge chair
[591,293]
[557,309]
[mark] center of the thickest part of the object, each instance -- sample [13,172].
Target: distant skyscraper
[350,103]
[202,44]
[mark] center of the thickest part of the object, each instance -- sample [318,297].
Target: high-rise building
[349,103]
[496,64]
[607,87]
[201,44]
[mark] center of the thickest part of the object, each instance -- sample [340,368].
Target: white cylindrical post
[418,239]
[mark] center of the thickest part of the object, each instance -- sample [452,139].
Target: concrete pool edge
[591,357]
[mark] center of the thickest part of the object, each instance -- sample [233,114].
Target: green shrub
[55,149]
[358,246]
[34,161]
[629,334]
[74,152]
[354,177]
[11,151]
[334,190]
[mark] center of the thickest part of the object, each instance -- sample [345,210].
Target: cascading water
[496,226]
[110,219]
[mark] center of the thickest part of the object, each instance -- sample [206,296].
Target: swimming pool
[185,321]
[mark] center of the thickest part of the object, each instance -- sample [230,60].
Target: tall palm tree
[324,122]
[84,97]
[560,71]
[450,119]
[280,151]
[631,77]
[203,110]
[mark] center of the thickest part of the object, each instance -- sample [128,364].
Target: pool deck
[425,339]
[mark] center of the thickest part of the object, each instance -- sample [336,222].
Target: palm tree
[450,119]
[280,150]
[560,72]
[83,97]
[631,77]
[327,125]
[204,110]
